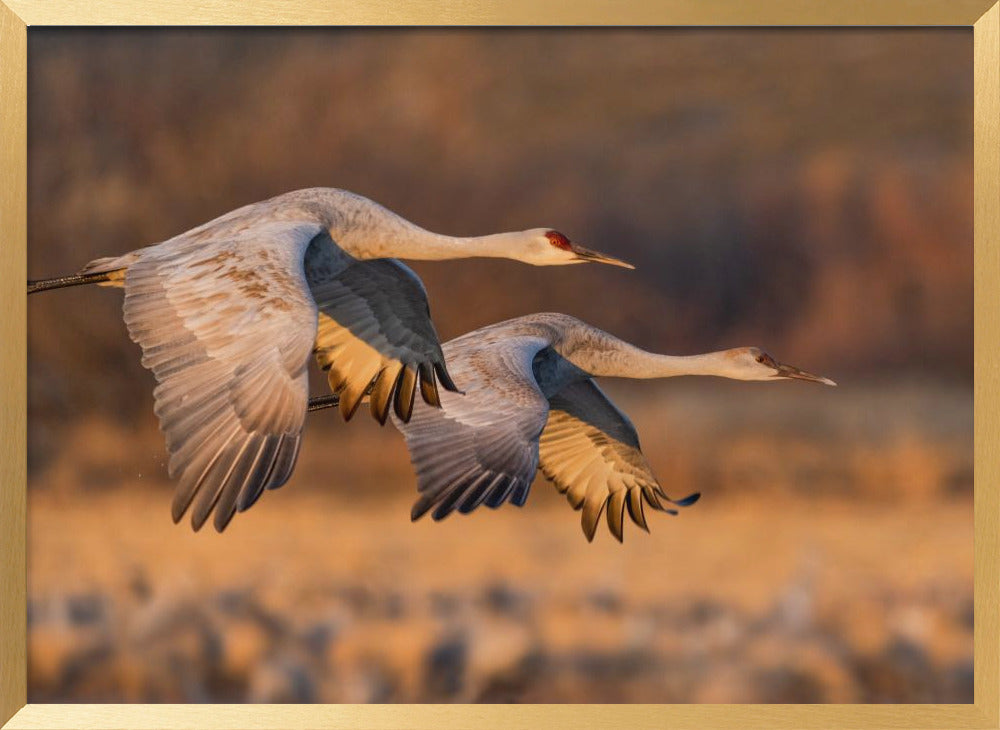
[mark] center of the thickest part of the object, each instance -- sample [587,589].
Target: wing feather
[590,450]
[373,320]
[226,322]
[382,390]
[481,445]
[405,390]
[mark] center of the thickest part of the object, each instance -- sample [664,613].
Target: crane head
[546,247]
[752,363]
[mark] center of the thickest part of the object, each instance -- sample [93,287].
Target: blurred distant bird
[227,314]
[529,400]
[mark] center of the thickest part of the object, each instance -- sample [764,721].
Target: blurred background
[805,191]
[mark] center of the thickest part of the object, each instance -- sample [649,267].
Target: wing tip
[383,389]
[428,387]
[445,377]
[419,509]
[591,519]
[380,412]
[687,501]
[405,395]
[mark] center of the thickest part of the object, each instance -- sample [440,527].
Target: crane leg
[323,401]
[63,281]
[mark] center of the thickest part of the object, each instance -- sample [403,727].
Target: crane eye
[559,240]
[760,359]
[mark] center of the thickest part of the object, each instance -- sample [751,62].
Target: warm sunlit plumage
[529,401]
[228,313]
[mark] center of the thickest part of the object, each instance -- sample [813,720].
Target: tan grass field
[829,560]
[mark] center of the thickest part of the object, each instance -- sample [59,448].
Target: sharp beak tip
[611,261]
[621,264]
[821,379]
[594,257]
[786,371]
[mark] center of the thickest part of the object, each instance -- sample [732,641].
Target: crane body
[528,401]
[228,313]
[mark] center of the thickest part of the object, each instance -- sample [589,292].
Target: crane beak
[585,255]
[787,371]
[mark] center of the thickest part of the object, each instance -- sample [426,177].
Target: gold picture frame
[983,16]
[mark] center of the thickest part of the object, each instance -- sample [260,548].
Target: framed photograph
[499,365]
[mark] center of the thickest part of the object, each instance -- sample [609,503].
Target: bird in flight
[228,313]
[528,400]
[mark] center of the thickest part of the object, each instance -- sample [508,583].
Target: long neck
[421,245]
[601,354]
[650,365]
[366,230]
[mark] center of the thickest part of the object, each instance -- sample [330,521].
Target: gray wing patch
[375,338]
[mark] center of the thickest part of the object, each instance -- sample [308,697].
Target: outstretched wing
[226,323]
[375,337]
[590,450]
[481,445]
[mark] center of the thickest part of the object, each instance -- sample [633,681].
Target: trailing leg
[61,282]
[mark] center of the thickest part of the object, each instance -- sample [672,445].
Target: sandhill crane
[529,400]
[227,313]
